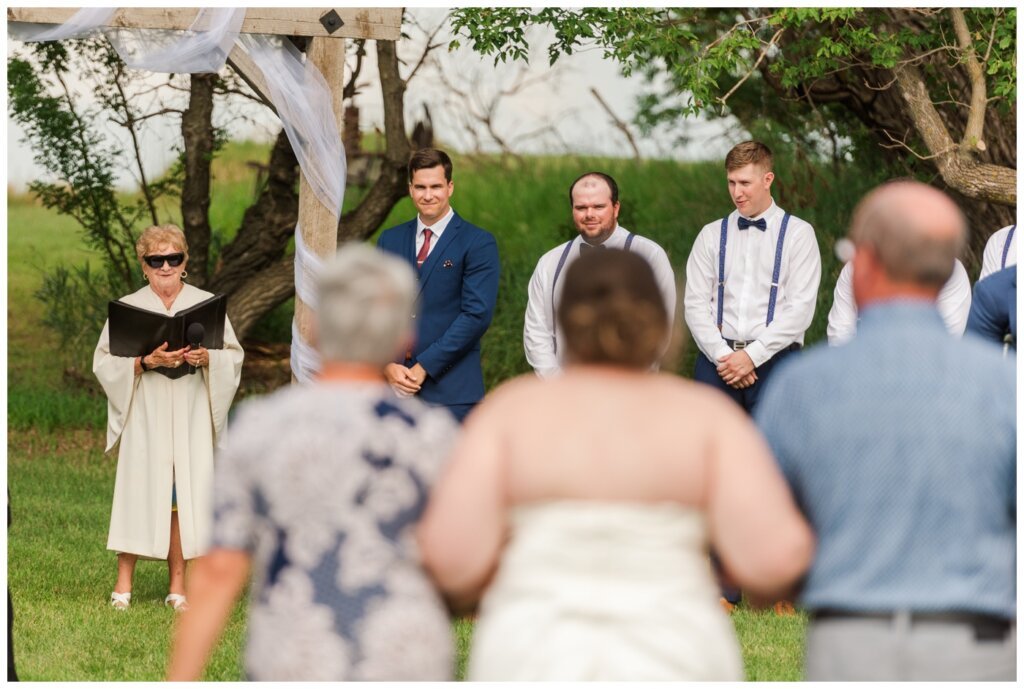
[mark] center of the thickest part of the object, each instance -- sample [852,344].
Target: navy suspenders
[775,272]
[1006,246]
[558,271]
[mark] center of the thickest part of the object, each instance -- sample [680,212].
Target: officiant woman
[164,430]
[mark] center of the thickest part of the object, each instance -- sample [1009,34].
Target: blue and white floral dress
[323,486]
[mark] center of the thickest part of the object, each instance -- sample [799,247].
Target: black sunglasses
[173,260]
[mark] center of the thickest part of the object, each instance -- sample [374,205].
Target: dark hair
[426,158]
[749,152]
[607,178]
[612,311]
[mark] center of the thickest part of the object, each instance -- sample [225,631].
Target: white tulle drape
[295,87]
[82,23]
[204,47]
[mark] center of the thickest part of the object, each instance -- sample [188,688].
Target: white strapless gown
[604,591]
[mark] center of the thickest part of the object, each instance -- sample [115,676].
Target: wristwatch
[142,363]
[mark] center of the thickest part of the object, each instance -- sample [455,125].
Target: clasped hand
[160,357]
[737,370]
[405,381]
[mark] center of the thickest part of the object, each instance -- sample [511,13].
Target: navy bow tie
[761,224]
[584,246]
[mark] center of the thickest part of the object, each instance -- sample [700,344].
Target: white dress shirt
[437,229]
[992,259]
[539,324]
[749,264]
[954,303]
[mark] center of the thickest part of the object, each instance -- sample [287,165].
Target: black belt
[986,627]
[737,345]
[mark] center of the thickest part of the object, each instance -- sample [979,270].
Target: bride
[578,511]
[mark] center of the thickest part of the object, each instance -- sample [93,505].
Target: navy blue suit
[994,307]
[458,286]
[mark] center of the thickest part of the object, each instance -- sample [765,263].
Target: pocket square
[448,263]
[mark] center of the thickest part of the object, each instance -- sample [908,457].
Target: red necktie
[425,249]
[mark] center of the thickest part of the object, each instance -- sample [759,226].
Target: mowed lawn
[59,572]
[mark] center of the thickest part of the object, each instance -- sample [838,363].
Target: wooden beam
[251,74]
[318,225]
[381,23]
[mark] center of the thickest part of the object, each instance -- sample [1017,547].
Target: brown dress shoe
[784,608]
[726,605]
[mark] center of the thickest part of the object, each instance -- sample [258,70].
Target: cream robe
[166,431]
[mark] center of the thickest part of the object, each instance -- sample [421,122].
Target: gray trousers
[859,649]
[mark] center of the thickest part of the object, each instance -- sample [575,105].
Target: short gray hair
[900,219]
[366,301]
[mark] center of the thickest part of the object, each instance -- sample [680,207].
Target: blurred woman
[580,509]
[319,488]
[164,430]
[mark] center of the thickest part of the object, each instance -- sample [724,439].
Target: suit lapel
[437,253]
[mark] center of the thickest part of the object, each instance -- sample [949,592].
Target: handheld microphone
[195,334]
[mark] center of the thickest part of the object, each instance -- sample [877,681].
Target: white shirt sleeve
[993,257]
[799,282]
[842,318]
[954,300]
[538,325]
[701,282]
[666,279]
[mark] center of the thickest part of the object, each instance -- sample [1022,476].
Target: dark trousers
[459,411]
[707,372]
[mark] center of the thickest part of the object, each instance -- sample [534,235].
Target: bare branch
[975,129]
[903,145]
[619,124]
[427,48]
[760,59]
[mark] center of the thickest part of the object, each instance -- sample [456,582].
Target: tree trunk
[197,132]
[252,271]
[260,294]
[266,226]
[392,185]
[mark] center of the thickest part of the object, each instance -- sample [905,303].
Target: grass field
[60,482]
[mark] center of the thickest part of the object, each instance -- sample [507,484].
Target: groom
[457,265]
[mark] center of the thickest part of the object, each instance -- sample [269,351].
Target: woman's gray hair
[366,301]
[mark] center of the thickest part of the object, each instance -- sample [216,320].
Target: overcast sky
[553,111]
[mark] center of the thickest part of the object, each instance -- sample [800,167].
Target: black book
[137,332]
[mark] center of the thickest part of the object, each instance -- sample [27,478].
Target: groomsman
[751,282]
[594,198]
[1000,251]
[954,304]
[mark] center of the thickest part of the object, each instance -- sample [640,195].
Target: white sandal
[176,601]
[120,601]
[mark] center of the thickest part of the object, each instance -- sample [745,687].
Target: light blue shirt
[900,449]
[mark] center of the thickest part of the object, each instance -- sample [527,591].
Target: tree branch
[994,183]
[619,124]
[975,128]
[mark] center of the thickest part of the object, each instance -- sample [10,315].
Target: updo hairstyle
[612,311]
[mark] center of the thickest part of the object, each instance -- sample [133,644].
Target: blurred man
[457,265]
[594,197]
[900,448]
[751,282]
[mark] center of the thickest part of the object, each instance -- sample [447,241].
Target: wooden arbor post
[325,30]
